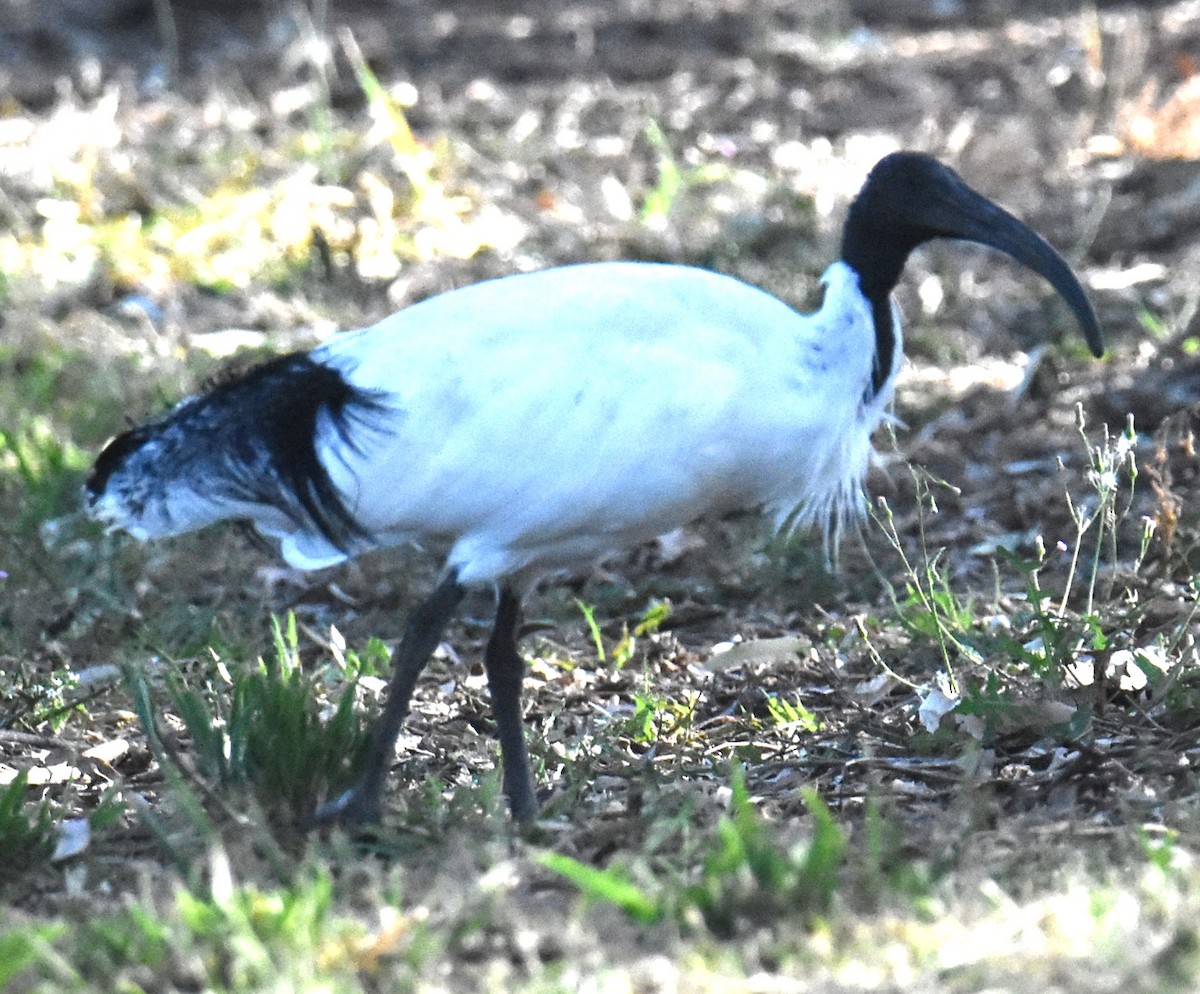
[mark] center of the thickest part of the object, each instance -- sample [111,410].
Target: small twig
[32,739]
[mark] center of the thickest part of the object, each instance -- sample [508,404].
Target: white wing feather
[547,418]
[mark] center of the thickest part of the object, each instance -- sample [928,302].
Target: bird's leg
[360,804]
[505,672]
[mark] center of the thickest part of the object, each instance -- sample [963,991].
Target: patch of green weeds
[50,698]
[110,944]
[1173,326]
[655,718]
[744,874]
[81,393]
[21,948]
[929,608]
[25,834]
[1044,632]
[373,660]
[660,719]
[883,862]
[625,647]
[45,466]
[268,733]
[56,404]
[673,180]
[261,930]
[1161,849]
[611,886]
[749,876]
[787,714]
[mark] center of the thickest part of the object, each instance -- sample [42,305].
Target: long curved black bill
[910,198]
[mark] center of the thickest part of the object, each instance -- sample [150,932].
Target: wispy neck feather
[833,496]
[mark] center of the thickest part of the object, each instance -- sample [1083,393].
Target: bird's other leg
[505,673]
[361,803]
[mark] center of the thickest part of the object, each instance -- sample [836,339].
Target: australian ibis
[532,424]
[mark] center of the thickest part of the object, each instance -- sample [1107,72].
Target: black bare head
[910,198]
[110,459]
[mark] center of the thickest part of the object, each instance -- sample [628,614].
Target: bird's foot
[358,806]
[523,804]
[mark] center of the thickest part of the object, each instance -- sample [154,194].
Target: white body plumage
[630,399]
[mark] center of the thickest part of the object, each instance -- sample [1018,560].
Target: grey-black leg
[505,673]
[361,803]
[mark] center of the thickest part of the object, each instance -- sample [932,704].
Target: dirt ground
[1084,119]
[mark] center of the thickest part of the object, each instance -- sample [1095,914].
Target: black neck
[877,258]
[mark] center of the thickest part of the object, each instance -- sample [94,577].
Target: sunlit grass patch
[228,934]
[316,932]
[244,232]
[146,204]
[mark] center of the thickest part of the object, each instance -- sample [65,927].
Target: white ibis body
[535,423]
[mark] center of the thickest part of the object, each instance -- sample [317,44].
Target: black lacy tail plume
[282,401]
